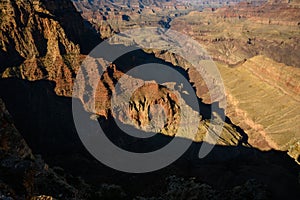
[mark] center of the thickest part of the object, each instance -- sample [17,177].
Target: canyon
[43,44]
[256,66]
[256,45]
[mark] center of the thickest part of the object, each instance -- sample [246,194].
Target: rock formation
[262,75]
[23,174]
[43,40]
[42,46]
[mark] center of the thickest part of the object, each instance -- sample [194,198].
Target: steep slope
[50,48]
[45,121]
[24,175]
[264,104]
[54,136]
[257,50]
[43,40]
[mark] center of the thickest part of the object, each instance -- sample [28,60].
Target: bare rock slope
[256,49]
[43,40]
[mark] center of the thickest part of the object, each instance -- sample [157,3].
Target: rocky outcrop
[262,76]
[24,175]
[159,107]
[43,40]
[145,110]
[181,188]
[45,121]
[54,136]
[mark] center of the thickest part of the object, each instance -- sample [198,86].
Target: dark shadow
[78,30]
[244,140]
[10,58]
[45,120]
[137,57]
[125,18]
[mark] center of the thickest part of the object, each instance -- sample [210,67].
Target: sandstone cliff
[43,40]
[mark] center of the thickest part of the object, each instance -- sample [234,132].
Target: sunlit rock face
[157,108]
[41,40]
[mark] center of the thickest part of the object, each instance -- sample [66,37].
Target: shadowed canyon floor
[53,135]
